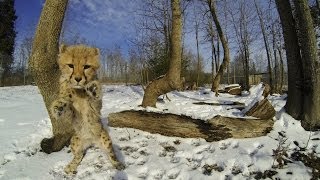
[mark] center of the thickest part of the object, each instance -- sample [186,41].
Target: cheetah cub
[80,101]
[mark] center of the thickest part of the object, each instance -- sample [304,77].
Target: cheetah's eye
[86,66]
[70,65]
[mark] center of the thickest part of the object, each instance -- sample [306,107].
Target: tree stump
[215,129]
[232,89]
[266,90]
[262,110]
[235,91]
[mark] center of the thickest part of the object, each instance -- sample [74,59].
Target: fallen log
[234,103]
[215,129]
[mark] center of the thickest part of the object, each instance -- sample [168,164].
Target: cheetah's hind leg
[78,150]
[106,145]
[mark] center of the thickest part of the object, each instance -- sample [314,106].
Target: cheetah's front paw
[69,169]
[59,107]
[93,89]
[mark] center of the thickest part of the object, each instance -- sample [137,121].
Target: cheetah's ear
[96,51]
[62,48]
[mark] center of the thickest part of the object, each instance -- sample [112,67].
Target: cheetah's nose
[78,79]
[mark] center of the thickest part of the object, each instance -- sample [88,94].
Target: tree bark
[215,129]
[44,68]
[295,76]
[226,56]
[281,68]
[198,51]
[171,80]
[276,66]
[310,64]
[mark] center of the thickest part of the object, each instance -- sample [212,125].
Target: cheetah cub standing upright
[80,101]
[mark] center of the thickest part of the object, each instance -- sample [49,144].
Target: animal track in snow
[235,144]
[143,143]
[8,158]
[196,142]
[143,172]
[175,159]
[157,174]
[195,161]
[58,173]
[142,160]
[173,173]
[223,145]
[128,150]
[202,148]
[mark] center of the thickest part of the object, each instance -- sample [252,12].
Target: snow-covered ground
[24,123]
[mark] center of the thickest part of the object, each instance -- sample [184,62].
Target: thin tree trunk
[171,80]
[213,58]
[265,40]
[246,63]
[213,48]
[198,52]
[45,70]
[218,54]
[276,68]
[310,64]
[295,94]
[228,74]
[281,69]
[226,56]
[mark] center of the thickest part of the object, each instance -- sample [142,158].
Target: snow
[24,123]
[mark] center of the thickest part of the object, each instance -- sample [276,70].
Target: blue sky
[104,23]
[28,12]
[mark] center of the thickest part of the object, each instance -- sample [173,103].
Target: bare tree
[265,40]
[295,77]
[304,76]
[226,54]
[45,70]
[211,37]
[25,54]
[275,58]
[242,19]
[171,80]
[197,28]
[310,65]
[280,52]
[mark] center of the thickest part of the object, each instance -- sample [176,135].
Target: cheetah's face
[78,64]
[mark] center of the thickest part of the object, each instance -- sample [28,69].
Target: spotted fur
[80,101]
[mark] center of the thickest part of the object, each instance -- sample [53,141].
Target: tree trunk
[218,54]
[246,65]
[198,52]
[281,68]
[265,40]
[171,80]
[45,70]
[295,95]
[226,56]
[310,64]
[276,66]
